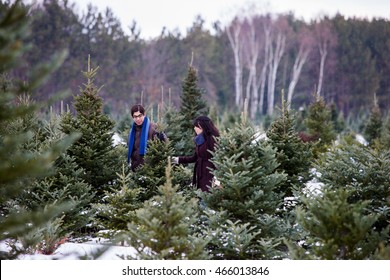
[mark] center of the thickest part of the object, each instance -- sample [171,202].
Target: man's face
[138,118]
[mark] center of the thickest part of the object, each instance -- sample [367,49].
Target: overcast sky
[152,15]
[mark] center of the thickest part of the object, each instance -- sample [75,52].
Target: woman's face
[198,130]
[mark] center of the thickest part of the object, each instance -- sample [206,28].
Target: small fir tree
[385,135]
[293,155]
[373,127]
[119,204]
[65,182]
[94,151]
[163,228]
[366,170]
[338,229]
[319,125]
[337,118]
[192,106]
[246,169]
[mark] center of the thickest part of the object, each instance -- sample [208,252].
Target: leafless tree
[233,31]
[304,42]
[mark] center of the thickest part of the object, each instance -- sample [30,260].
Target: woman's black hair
[206,124]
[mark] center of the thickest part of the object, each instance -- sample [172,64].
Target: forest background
[344,59]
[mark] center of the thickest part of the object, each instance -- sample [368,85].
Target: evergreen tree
[385,135]
[119,204]
[65,183]
[338,229]
[192,106]
[319,124]
[364,169]
[18,166]
[163,228]
[337,118]
[293,155]
[247,171]
[94,151]
[373,128]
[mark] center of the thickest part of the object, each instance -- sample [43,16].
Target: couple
[143,130]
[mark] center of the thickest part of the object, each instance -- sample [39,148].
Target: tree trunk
[297,68]
[235,43]
[323,53]
[274,64]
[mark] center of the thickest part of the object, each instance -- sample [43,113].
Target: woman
[204,143]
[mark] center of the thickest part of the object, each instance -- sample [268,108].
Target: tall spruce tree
[192,106]
[18,166]
[294,156]
[163,227]
[247,171]
[94,151]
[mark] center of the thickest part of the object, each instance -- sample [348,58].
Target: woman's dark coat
[202,174]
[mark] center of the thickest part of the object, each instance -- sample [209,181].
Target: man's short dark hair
[137,108]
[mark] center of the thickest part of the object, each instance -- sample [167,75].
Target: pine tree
[373,128]
[94,151]
[192,106]
[65,182]
[319,124]
[119,204]
[366,170]
[293,155]
[338,229]
[385,135]
[163,228]
[246,169]
[18,166]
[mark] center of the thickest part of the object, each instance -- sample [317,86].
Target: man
[141,131]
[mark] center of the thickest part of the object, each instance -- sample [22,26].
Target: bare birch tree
[253,52]
[325,40]
[304,43]
[233,31]
[277,46]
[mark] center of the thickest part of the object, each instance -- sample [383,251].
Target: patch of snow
[75,251]
[361,139]
[117,140]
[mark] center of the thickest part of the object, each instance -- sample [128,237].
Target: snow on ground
[75,251]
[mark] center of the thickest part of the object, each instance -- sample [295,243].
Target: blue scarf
[144,139]
[199,139]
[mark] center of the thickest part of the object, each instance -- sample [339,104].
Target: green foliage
[162,229]
[151,174]
[192,106]
[294,156]
[226,239]
[385,138]
[319,124]
[246,168]
[364,169]
[94,151]
[338,229]
[373,128]
[18,166]
[119,204]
